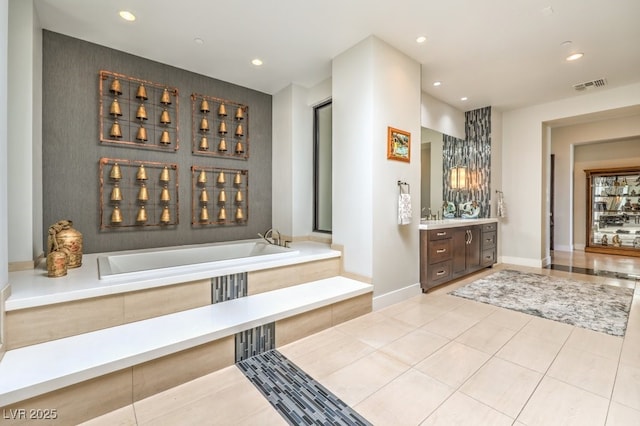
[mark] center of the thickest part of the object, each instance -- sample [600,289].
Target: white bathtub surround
[33,288]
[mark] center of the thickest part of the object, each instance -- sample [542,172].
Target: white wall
[569,191]
[365,187]
[4,243]
[441,117]
[292,156]
[24,132]
[522,237]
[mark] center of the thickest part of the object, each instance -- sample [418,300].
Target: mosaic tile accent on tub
[228,287]
[255,341]
[298,398]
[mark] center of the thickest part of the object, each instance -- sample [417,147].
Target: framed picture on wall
[398,145]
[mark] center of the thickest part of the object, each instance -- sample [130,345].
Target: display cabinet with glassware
[613,211]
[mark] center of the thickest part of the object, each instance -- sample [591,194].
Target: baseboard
[396,296]
[578,247]
[522,261]
[562,248]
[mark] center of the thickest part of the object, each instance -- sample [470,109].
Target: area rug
[599,307]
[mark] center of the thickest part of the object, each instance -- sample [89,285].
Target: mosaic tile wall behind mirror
[474,153]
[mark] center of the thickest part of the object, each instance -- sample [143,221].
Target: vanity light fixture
[574,56]
[127,16]
[458,178]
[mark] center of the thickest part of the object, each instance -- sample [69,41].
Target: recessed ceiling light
[198,40]
[575,56]
[127,16]
[566,43]
[421,39]
[257,62]
[437,83]
[464,98]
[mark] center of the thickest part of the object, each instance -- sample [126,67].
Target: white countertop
[426,225]
[33,288]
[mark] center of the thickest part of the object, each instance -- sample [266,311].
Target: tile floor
[437,359]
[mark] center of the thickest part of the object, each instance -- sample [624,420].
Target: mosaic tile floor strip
[597,307]
[596,272]
[294,394]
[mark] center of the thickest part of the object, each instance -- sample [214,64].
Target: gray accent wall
[72,149]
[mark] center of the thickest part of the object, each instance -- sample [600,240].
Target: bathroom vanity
[452,248]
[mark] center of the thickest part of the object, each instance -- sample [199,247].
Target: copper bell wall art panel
[219,196]
[138,113]
[138,194]
[219,127]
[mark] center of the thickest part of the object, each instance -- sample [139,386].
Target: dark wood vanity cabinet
[449,253]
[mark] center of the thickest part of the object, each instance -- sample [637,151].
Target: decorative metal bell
[165,118]
[204,197]
[202,177]
[222,129]
[164,175]
[239,197]
[165,138]
[165,99]
[141,135]
[142,92]
[116,215]
[239,114]
[222,214]
[115,87]
[115,131]
[141,113]
[238,179]
[141,217]
[204,106]
[239,214]
[114,109]
[165,217]
[143,194]
[142,173]
[204,124]
[239,131]
[239,148]
[222,146]
[164,195]
[222,197]
[204,214]
[115,172]
[204,144]
[222,111]
[116,194]
[221,180]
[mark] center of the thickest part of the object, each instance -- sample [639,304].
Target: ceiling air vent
[587,84]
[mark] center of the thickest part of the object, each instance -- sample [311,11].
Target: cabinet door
[459,238]
[474,241]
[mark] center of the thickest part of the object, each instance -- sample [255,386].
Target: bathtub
[182,259]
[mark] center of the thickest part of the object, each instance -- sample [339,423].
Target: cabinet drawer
[440,271]
[488,257]
[488,240]
[439,234]
[439,250]
[488,227]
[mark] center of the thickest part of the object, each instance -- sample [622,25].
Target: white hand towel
[404,209]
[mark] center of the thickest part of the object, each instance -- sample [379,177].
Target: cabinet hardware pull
[441,234]
[440,273]
[441,250]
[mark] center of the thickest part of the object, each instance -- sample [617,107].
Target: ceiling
[501,53]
